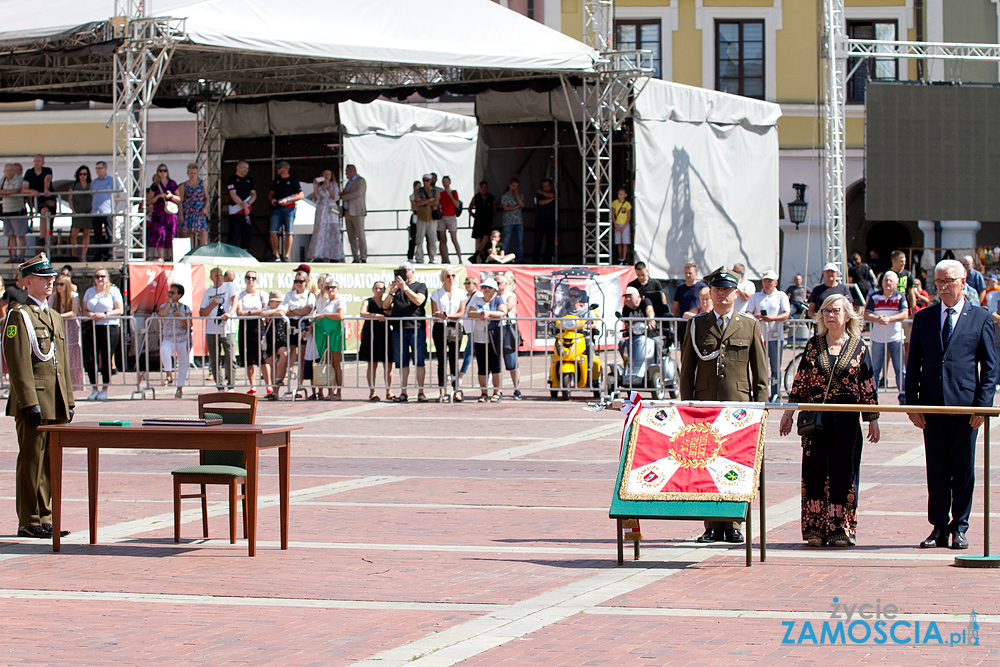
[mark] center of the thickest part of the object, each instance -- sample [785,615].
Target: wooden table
[251,438]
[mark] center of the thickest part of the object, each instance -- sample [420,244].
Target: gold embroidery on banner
[696,445]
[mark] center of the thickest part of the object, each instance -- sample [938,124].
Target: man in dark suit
[952,361]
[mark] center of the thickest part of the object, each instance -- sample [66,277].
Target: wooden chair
[218,466]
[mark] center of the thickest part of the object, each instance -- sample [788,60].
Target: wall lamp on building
[798,208]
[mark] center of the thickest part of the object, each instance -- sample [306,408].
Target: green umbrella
[221,254]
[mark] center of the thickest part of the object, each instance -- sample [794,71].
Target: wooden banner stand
[689,510]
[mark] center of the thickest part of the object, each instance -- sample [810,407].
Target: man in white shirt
[448,309]
[886,310]
[219,303]
[771,308]
[744,290]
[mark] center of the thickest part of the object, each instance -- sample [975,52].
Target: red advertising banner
[543,291]
[148,284]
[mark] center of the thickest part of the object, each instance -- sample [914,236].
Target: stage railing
[103,225]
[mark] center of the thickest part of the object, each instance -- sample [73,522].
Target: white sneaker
[93,395]
[103,396]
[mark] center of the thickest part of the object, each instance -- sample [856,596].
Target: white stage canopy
[706,182]
[445,33]
[393,145]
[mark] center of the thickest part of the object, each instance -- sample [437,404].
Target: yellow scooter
[571,366]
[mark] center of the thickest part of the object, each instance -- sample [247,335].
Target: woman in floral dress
[194,208]
[161,227]
[326,244]
[831,458]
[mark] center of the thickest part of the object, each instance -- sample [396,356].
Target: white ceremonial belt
[703,357]
[33,340]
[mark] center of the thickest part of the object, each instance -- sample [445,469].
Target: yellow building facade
[771,50]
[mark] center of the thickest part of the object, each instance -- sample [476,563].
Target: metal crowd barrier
[451,359]
[451,363]
[242,352]
[98,353]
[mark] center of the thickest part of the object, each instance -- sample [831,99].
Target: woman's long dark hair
[85,168]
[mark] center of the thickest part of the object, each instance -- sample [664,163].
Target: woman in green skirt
[326,346]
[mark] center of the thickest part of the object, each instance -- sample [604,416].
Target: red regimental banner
[694,453]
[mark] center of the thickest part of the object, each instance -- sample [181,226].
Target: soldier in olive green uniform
[34,347]
[722,359]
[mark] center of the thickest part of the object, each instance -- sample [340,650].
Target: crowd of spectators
[24,194]
[269,334]
[497,223]
[180,209]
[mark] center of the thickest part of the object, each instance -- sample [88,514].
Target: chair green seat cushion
[218,470]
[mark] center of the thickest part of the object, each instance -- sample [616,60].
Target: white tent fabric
[665,100]
[706,184]
[392,145]
[452,33]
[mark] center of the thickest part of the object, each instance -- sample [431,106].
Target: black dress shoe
[48,527]
[958,540]
[734,535]
[708,536]
[33,531]
[937,538]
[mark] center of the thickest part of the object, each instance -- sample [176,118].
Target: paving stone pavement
[474,534]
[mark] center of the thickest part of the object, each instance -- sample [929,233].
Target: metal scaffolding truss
[210,151]
[834,162]
[254,75]
[598,24]
[606,99]
[836,49]
[139,65]
[923,50]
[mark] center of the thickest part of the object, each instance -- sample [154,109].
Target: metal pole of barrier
[142,352]
[986,560]
[299,359]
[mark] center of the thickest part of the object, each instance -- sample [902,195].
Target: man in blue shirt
[973,278]
[513,224]
[100,207]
